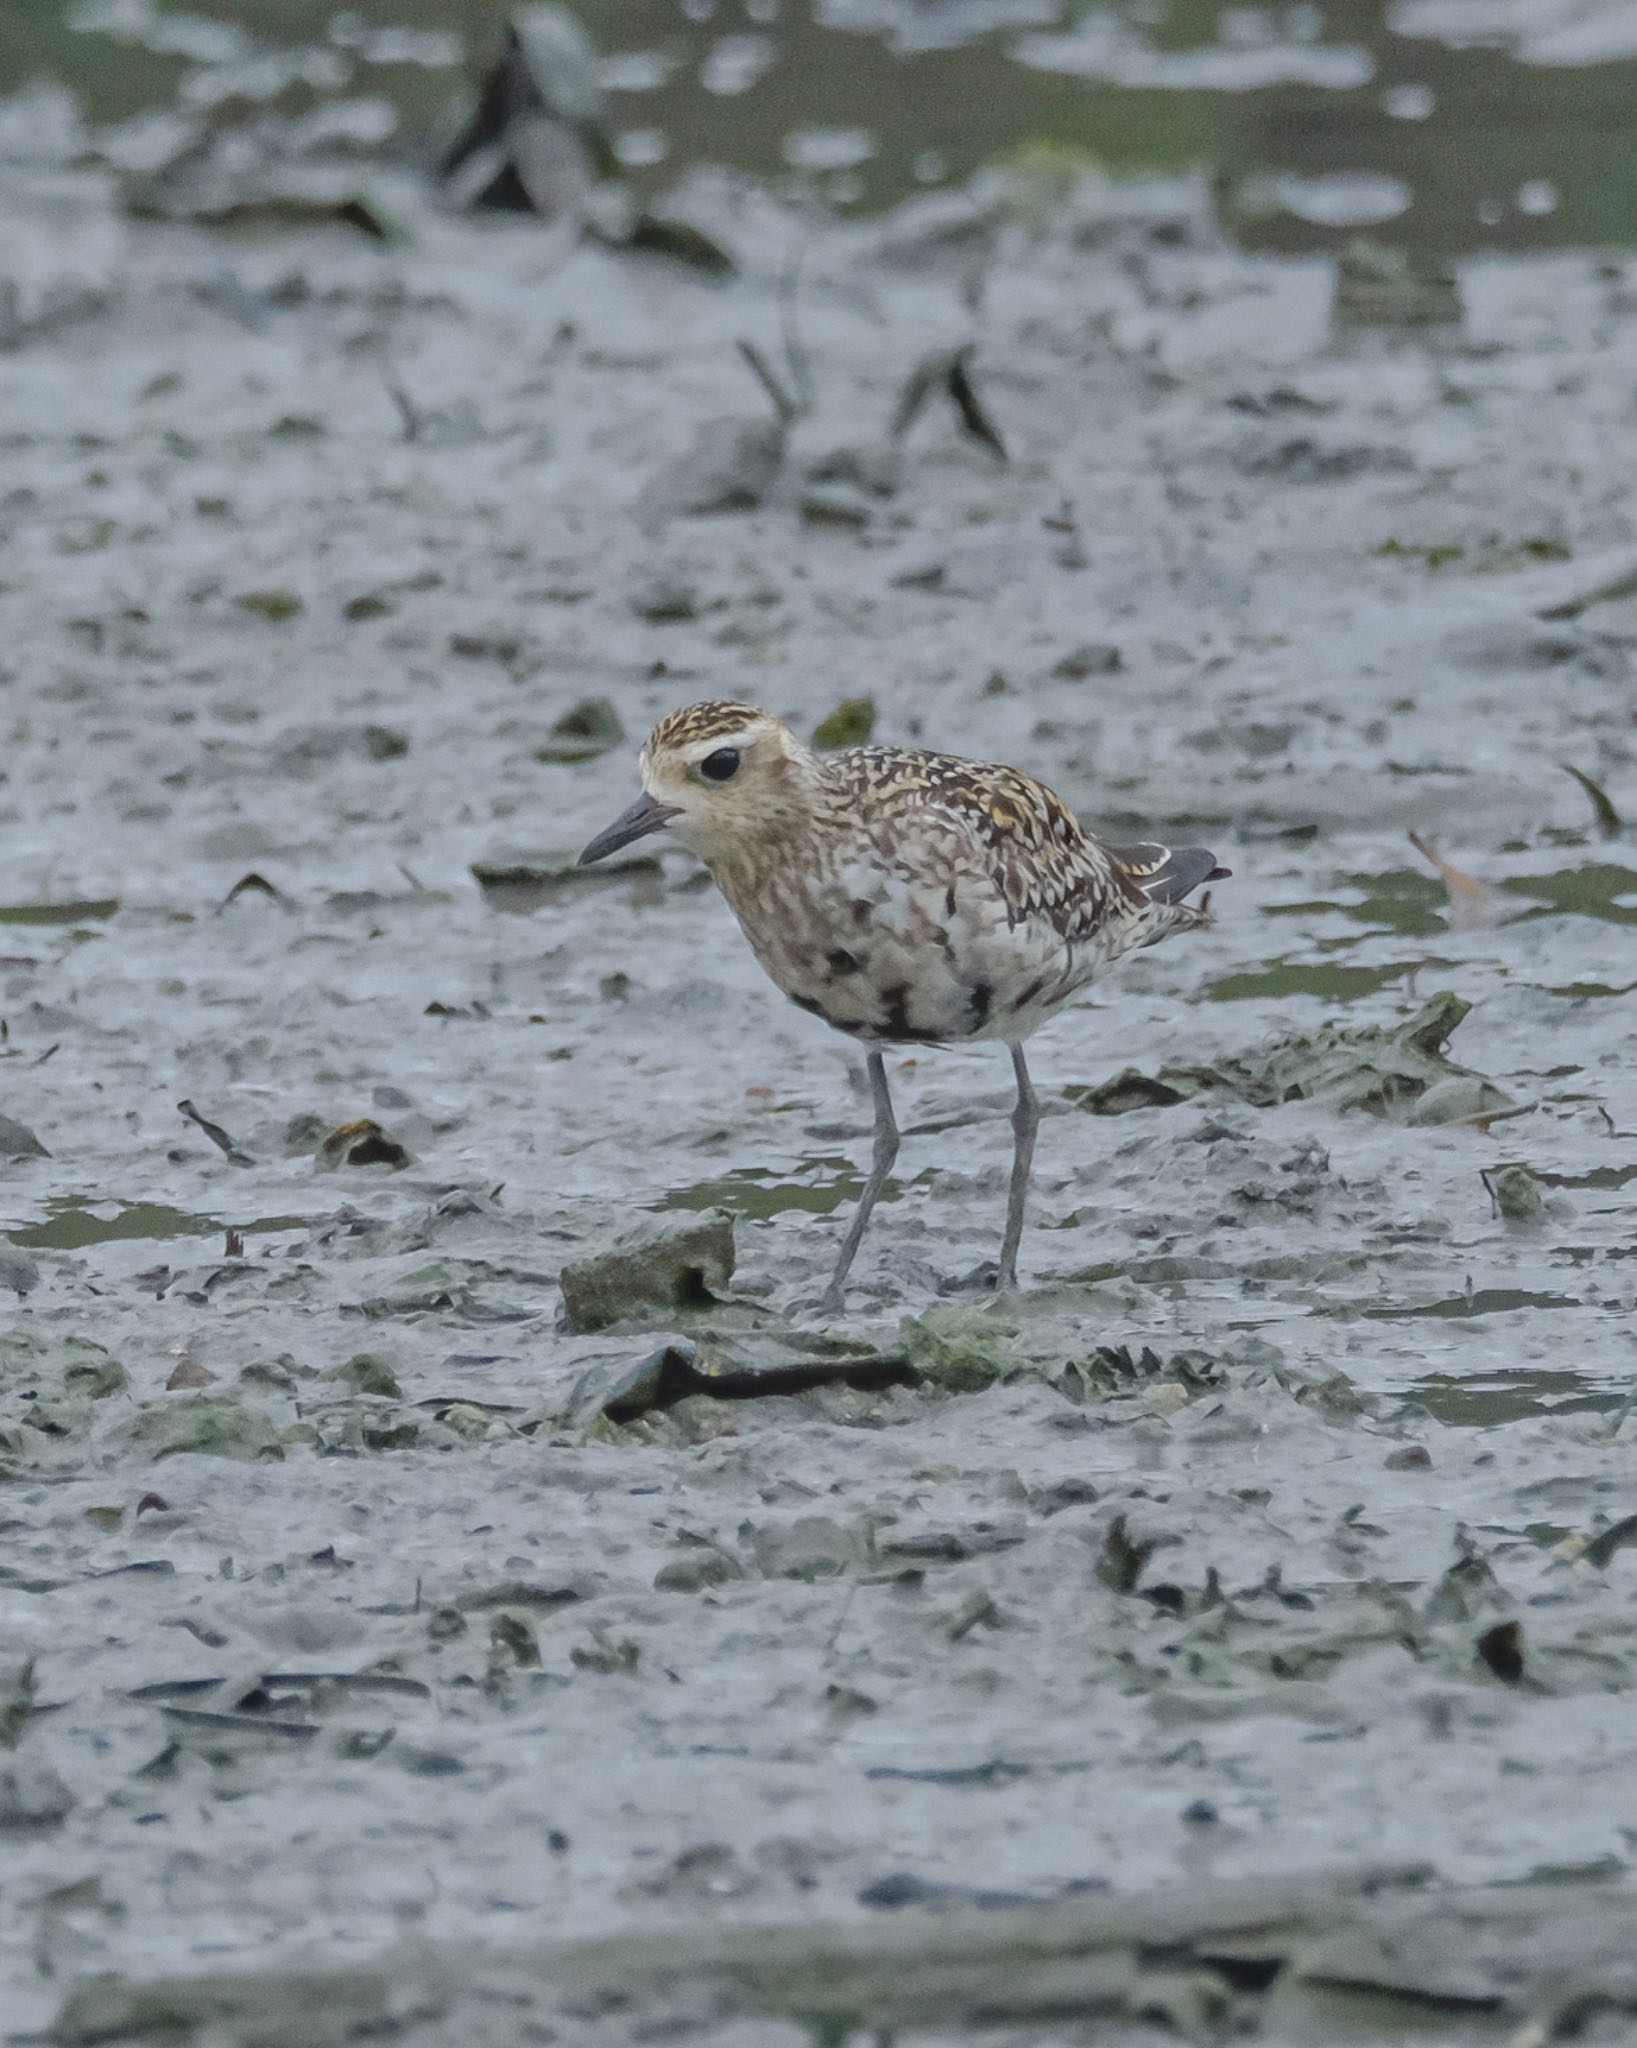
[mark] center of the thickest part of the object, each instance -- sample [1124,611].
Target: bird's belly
[884,962]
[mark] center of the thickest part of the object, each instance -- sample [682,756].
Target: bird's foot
[832,1302]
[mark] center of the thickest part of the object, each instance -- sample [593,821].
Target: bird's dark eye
[721,766]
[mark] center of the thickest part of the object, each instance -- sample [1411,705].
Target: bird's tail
[1168,878]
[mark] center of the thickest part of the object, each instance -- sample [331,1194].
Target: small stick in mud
[790,388]
[786,406]
[797,359]
[217,1136]
[948,370]
[1610,824]
[410,415]
[257,885]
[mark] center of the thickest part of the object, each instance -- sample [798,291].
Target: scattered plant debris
[948,371]
[537,142]
[588,729]
[217,1136]
[1380,1069]
[1610,824]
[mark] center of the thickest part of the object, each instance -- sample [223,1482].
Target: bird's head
[719,778]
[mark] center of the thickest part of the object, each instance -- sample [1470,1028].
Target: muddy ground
[1275,1528]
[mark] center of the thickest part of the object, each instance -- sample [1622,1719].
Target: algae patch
[959,1348]
[211,1426]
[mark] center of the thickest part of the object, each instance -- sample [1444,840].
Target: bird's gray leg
[886,1151]
[1025,1122]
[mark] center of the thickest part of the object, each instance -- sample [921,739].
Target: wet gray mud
[378,1651]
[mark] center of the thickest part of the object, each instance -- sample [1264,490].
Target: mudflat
[393,1632]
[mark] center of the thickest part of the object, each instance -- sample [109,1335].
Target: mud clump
[17,1141]
[659,1268]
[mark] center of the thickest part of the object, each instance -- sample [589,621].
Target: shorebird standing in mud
[905,898]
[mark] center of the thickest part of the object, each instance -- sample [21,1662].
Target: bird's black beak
[646,815]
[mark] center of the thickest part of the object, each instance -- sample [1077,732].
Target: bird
[906,898]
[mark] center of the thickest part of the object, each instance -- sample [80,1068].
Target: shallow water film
[454,1582]
[1446,126]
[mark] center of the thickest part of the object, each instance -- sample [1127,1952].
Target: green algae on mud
[1403,900]
[961,1348]
[1414,904]
[1606,1177]
[38,1362]
[758,1194]
[1481,1301]
[1490,1400]
[72,1224]
[90,910]
[1599,889]
[1330,981]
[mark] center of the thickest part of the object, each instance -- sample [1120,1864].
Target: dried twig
[790,386]
[409,412]
[1481,1119]
[797,360]
[974,418]
[254,884]
[1610,824]
[786,405]
[1610,591]
[215,1134]
[948,370]
[918,387]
